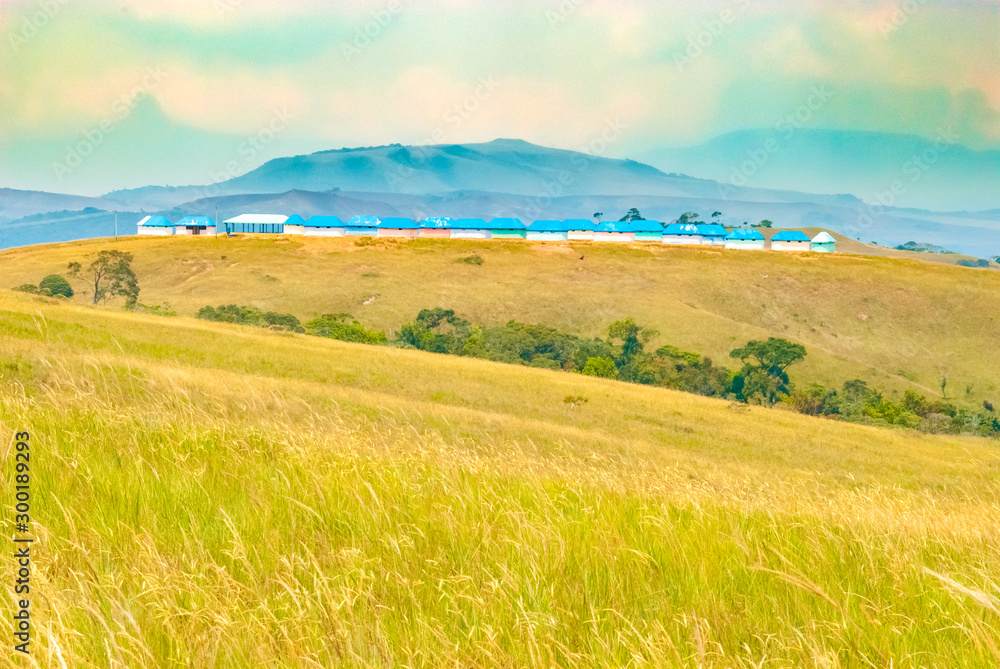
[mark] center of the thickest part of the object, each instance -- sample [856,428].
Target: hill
[893,321]
[210,495]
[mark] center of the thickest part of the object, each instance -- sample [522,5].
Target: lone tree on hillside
[764,377]
[56,285]
[110,274]
[716,214]
[632,215]
[633,337]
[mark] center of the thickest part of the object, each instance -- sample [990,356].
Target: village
[644,231]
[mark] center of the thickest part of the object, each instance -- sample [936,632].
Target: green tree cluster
[232,313]
[344,327]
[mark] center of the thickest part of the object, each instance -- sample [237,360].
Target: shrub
[343,327]
[28,288]
[56,285]
[232,313]
[474,259]
[603,368]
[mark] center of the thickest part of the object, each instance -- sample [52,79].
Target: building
[683,233]
[508,228]
[470,228]
[436,228]
[824,243]
[406,228]
[156,225]
[256,224]
[548,231]
[746,239]
[713,234]
[648,231]
[362,226]
[295,225]
[580,229]
[791,240]
[325,226]
[614,231]
[195,225]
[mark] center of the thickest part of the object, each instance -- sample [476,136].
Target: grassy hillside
[215,496]
[894,322]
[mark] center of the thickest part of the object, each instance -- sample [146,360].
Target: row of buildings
[691,234]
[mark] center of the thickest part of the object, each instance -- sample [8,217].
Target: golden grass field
[897,322]
[217,496]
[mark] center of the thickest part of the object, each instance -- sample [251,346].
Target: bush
[232,313]
[28,288]
[603,368]
[56,285]
[343,327]
[474,259]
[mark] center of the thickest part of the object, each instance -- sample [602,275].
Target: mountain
[937,173]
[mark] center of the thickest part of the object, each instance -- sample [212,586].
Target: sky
[100,95]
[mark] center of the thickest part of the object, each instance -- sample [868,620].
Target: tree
[598,216]
[603,368]
[632,215]
[716,214]
[344,327]
[56,285]
[688,217]
[633,337]
[761,359]
[110,274]
[765,224]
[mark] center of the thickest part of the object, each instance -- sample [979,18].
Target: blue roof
[295,220]
[324,222]
[579,224]
[439,223]
[363,222]
[682,229]
[196,221]
[791,236]
[470,224]
[548,226]
[398,224]
[614,226]
[507,224]
[155,222]
[745,235]
[712,230]
[647,226]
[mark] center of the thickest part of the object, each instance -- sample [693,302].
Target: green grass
[215,496]
[895,322]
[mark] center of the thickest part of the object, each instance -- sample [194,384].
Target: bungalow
[508,228]
[156,225]
[580,229]
[325,226]
[261,224]
[648,231]
[436,228]
[614,231]
[683,233]
[745,239]
[398,227]
[362,226]
[470,228]
[548,231]
[295,225]
[195,225]
[824,243]
[791,240]
[713,234]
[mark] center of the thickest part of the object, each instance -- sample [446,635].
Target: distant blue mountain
[938,174]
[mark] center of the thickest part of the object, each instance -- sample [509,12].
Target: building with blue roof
[295,225]
[746,239]
[325,226]
[256,224]
[614,231]
[406,228]
[362,226]
[824,242]
[791,240]
[470,228]
[156,225]
[508,228]
[683,233]
[548,231]
[712,234]
[580,229]
[648,231]
[195,225]
[436,228]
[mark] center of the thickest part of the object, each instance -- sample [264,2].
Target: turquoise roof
[363,222]
[580,224]
[745,235]
[791,236]
[195,221]
[156,222]
[438,223]
[324,222]
[682,229]
[548,226]
[646,226]
[507,224]
[614,226]
[712,230]
[470,224]
[295,220]
[398,224]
